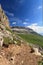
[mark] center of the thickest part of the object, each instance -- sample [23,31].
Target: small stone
[22,61]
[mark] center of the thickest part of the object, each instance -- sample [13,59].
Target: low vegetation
[40,63]
[9,29]
[32,38]
[7,40]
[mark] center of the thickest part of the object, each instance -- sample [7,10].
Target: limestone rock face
[1,41]
[3,17]
[5,30]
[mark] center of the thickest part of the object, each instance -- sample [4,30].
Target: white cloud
[24,23]
[10,14]
[36,28]
[39,7]
[13,22]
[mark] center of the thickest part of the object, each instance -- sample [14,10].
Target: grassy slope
[32,38]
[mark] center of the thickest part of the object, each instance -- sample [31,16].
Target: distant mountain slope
[23,30]
[29,35]
[33,39]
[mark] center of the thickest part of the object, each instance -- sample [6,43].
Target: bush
[7,40]
[40,63]
[9,29]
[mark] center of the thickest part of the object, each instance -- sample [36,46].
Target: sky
[26,13]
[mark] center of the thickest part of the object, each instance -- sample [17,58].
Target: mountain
[29,35]
[23,30]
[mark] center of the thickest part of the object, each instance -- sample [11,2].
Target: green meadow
[32,38]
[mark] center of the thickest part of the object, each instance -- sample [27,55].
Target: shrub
[40,63]
[7,40]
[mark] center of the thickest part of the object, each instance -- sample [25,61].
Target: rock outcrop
[5,31]
[3,18]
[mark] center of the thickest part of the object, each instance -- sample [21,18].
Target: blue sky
[24,13]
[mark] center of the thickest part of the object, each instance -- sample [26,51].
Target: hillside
[29,35]
[13,49]
[33,38]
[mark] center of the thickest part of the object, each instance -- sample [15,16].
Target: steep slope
[6,35]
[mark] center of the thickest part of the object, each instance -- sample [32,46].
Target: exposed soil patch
[18,55]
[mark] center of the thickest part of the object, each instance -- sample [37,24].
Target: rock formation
[5,31]
[3,18]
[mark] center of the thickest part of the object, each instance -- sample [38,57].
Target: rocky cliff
[3,18]
[5,31]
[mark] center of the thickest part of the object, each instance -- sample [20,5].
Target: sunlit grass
[32,38]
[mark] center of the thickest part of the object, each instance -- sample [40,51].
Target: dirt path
[18,55]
